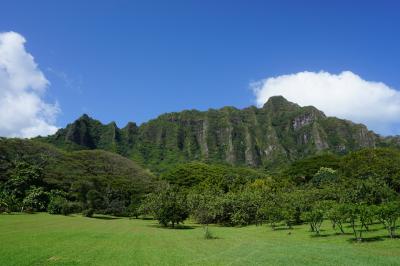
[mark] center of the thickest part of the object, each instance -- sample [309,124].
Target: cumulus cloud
[345,95]
[23,110]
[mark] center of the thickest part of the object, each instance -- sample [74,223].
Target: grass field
[39,239]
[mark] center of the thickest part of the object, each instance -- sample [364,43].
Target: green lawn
[39,239]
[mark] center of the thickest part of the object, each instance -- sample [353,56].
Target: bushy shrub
[36,200]
[57,205]
[116,208]
[207,233]
[8,202]
[74,207]
[88,212]
[60,205]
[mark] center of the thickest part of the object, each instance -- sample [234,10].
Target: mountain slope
[63,169]
[277,133]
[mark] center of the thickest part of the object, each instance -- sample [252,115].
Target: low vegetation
[353,198]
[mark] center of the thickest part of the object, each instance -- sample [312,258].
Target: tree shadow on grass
[177,227]
[17,213]
[145,218]
[369,239]
[106,217]
[332,234]
[342,234]
[320,235]
[284,229]
[212,238]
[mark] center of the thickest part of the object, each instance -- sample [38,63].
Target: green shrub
[57,205]
[207,233]
[36,200]
[60,205]
[88,212]
[74,207]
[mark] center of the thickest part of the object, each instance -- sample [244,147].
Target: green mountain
[66,169]
[277,133]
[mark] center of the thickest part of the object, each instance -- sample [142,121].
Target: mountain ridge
[277,133]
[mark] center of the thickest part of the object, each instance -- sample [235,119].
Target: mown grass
[43,239]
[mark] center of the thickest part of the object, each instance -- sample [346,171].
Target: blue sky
[133,60]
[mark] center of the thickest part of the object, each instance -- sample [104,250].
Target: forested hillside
[278,133]
[31,173]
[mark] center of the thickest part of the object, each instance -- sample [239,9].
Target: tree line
[266,201]
[351,192]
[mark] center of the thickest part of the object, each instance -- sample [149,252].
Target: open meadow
[43,239]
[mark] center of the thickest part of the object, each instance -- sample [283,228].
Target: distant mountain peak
[279,103]
[279,132]
[85,117]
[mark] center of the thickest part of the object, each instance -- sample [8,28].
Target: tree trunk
[340,227]
[312,229]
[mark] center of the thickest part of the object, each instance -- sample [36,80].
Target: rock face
[278,132]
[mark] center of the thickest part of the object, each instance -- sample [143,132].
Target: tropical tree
[314,217]
[3,205]
[22,177]
[291,208]
[204,208]
[168,205]
[338,216]
[359,217]
[388,214]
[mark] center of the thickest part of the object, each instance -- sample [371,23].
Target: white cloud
[345,95]
[23,111]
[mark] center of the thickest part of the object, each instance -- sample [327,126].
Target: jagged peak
[85,117]
[279,102]
[130,125]
[113,124]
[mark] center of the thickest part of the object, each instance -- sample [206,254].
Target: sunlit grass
[39,239]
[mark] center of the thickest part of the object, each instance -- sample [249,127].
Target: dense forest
[280,165]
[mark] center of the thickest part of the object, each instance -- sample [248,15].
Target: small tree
[338,216]
[388,214]
[246,208]
[272,210]
[359,216]
[134,206]
[204,207]
[314,217]
[289,209]
[167,205]
[94,201]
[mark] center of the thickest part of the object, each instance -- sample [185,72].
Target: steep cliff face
[278,132]
[88,133]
